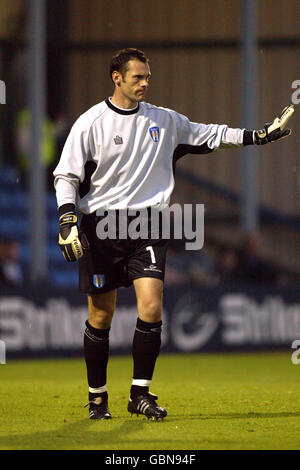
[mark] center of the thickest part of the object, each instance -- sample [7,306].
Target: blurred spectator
[188,266]
[250,266]
[23,143]
[201,268]
[226,264]
[176,264]
[10,270]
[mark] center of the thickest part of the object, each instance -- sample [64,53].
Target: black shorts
[112,263]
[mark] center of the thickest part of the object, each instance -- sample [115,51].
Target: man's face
[135,81]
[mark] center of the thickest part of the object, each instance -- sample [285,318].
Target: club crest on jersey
[154,132]
[118,140]
[99,280]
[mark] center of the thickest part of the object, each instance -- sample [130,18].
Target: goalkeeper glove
[73,243]
[275,130]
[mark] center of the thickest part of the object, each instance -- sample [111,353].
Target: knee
[150,310]
[100,315]
[100,319]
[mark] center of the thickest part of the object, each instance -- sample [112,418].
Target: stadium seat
[14,224]
[65,278]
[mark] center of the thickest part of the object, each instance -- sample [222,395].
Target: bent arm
[70,171]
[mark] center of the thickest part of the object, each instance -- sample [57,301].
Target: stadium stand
[14,225]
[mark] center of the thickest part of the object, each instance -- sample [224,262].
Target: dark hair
[120,60]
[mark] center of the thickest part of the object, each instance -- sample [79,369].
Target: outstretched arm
[206,138]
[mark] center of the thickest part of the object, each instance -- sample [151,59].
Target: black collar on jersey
[122,111]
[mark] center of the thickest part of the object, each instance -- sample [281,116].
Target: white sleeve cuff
[65,192]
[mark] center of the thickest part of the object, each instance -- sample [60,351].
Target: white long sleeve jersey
[116,159]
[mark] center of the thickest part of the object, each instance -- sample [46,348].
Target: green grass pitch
[214,401]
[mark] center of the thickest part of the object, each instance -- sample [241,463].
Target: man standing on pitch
[120,155]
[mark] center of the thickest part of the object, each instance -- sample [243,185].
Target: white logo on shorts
[152,267]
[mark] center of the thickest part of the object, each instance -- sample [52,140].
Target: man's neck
[122,102]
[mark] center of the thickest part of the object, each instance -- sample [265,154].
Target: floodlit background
[218,61]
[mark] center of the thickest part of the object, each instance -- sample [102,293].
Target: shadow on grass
[80,434]
[250,414]
[108,434]
[86,434]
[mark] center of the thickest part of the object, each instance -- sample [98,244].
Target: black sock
[96,351]
[145,349]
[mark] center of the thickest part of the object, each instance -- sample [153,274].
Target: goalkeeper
[121,155]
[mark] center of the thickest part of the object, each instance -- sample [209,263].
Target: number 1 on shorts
[149,248]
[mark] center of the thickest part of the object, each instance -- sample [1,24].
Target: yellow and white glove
[73,243]
[275,130]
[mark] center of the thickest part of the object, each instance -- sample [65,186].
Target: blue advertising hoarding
[50,322]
